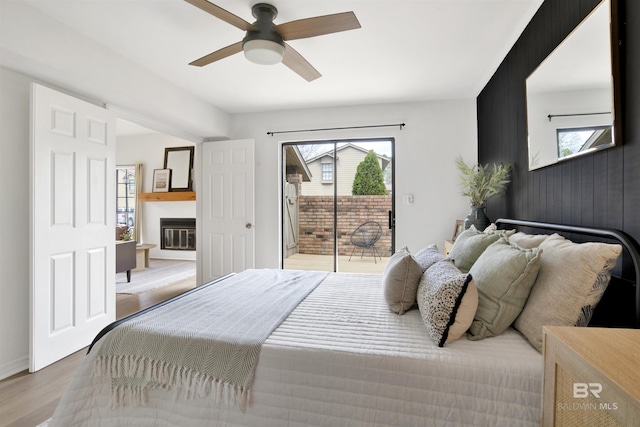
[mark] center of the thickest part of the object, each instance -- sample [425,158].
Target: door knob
[249,225]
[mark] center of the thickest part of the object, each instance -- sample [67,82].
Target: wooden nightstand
[447,247]
[591,377]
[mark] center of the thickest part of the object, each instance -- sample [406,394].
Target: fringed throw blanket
[205,344]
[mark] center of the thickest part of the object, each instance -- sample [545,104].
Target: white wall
[148,149]
[14,215]
[426,148]
[63,57]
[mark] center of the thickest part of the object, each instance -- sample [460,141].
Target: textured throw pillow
[441,300]
[504,275]
[428,256]
[528,241]
[400,281]
[469,246]
[570,283]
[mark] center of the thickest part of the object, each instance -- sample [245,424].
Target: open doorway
[338,205]
[157,273]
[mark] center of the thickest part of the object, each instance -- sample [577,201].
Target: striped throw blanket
[204,344]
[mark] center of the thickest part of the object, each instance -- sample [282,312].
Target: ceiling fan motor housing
[263,45]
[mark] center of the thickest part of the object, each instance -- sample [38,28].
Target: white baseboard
[13,367]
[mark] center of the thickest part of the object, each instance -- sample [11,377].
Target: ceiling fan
[264,42]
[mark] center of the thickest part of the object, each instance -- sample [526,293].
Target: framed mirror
[180,161]
[573,97]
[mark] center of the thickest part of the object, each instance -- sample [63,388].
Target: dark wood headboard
[620,304]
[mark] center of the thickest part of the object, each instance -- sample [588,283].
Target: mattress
[342,358]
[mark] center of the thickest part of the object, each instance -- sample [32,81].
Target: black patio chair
[365,236]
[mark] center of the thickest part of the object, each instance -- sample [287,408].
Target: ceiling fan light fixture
[263,52]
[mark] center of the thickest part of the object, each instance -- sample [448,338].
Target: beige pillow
[428,256]
[447,299]
[493,228]
[570,283]
[528,241]
[504,275]
[400,281]
[469,246]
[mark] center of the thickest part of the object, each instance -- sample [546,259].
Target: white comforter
[343,359]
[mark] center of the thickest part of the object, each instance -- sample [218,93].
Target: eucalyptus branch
[480,182]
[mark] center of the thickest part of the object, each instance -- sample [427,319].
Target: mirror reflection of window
[574,141]
[573,88]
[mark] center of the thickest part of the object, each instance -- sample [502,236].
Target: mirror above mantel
[573,96]
[180,161]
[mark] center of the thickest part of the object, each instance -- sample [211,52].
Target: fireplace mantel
[171,196]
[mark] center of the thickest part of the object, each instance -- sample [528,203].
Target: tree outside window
[369,178]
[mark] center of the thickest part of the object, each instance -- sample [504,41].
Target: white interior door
[72,220]
[227,200]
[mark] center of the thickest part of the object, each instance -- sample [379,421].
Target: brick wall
[316,223]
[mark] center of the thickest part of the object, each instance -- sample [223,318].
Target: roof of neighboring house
[383,159]
[294,158]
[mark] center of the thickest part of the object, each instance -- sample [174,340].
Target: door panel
[97,186]
[228,207]
[72,239]
[96,271]
[62,292]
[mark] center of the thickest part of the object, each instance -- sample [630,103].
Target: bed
[344,355]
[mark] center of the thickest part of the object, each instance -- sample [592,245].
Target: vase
[477,217]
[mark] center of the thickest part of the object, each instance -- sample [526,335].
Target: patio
[365,264]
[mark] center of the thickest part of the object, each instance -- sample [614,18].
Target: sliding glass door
[337,205]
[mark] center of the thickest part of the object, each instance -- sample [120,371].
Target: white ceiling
[406,50]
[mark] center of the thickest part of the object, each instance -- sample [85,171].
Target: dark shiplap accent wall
[601,189]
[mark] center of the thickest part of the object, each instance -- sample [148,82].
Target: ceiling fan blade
[320,25]
[299,65]
[218,54]
[223,14]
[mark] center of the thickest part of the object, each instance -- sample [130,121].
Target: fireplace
[178,234]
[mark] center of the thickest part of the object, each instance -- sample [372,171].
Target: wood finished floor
[27,400]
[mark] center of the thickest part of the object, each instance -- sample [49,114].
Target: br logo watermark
[583,390]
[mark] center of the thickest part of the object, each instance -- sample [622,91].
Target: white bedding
[343,359]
